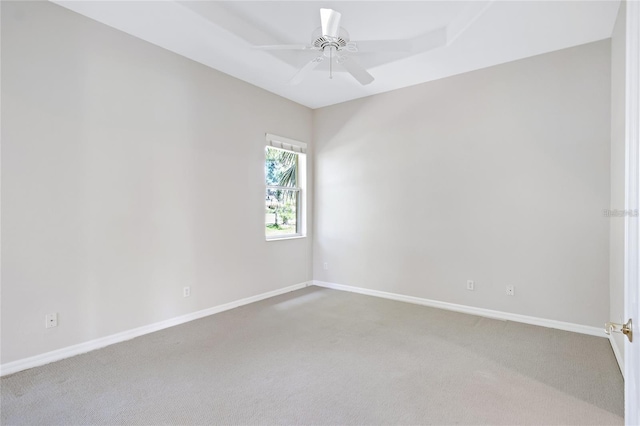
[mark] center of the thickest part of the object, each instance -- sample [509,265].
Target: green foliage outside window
[281,170]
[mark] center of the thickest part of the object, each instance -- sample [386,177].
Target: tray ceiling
[447,37]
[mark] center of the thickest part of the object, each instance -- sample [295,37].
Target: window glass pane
[281,168]
[281,212]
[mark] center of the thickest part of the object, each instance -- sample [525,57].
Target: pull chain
[330,62]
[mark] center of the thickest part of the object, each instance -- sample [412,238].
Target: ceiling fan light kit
[333,42]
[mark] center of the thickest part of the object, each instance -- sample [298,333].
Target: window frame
[298,148]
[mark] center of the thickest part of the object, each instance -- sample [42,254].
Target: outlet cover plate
[51,320]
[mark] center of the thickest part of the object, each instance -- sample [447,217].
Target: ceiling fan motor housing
[321,42]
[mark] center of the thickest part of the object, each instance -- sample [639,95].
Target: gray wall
[128,172]
[616,236]
[499,175]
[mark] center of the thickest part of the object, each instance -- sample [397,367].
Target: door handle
[625,329]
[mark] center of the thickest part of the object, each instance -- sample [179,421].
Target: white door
[632,230]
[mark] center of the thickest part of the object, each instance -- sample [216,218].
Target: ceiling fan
[333,43]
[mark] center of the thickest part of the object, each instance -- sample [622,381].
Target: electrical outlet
[186,292]
[325,266]
[470,285]
[51,320]
[511,290]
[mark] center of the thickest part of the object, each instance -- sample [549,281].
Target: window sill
[293,237]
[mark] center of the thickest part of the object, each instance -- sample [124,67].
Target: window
[285,178]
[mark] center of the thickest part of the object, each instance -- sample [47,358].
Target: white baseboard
[69,351]
[46,358]
[618,353]
[506,316]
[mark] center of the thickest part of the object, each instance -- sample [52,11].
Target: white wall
[499,175]
[616,235]
[128,172]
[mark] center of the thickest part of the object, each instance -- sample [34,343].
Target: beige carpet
[318,356]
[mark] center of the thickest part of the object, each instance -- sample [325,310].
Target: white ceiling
[448,37]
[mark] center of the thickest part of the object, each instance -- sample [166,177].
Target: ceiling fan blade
[383,46]
[299,76]
[283,47]
[330,20]
[357,71]
[431,40]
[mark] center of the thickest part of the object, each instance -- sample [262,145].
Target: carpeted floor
[319,356]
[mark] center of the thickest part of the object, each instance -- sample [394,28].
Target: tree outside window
[282,193]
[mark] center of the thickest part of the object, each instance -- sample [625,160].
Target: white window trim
[300,148]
